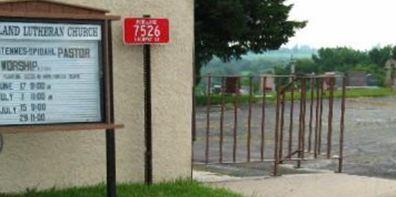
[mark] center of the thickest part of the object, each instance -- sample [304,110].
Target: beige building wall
[65,159]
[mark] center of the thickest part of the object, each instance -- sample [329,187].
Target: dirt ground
[370,138]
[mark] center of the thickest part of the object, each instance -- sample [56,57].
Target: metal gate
[270,118]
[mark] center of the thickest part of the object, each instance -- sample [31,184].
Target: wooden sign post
[56,71]
[146,31]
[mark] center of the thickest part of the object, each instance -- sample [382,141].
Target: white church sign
[50,73]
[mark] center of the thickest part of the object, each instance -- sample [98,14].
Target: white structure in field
[390,79]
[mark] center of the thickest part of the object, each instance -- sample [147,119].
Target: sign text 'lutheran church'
[50,73]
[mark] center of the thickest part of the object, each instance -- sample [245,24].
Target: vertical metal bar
[341,157]
[282,123]
[320,117]
[263,105]
[311,114]
[301,124]
[249,134]
[276,136]
[330,120]
[317,118]
[303,99]
[222,119]
[208,105]
[107,71]
[110,133]
[234,149]
[111,164]
[147,52]
[291,118]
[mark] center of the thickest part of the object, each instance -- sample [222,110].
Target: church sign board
[56,71]
[50,73]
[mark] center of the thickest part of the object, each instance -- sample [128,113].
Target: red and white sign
[139,31]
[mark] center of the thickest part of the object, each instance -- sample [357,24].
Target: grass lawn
[271,97]
[176,189]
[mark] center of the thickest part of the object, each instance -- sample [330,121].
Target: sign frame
[144,43]
[101,64]
[49,11]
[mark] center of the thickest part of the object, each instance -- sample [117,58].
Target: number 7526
[147,31]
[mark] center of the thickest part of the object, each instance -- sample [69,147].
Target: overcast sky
[359,24]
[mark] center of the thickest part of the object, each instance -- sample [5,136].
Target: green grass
[175,189]
[271,97]
[380,92]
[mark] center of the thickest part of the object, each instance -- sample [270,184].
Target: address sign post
[147,31]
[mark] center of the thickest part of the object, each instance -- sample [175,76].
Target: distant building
[327,80]
[372,80]
[270,84]
[232,85]
[357,78]
[216,89]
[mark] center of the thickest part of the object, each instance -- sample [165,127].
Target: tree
[339,59]
[343,59]
[306,66]
[379,55]
[230,28]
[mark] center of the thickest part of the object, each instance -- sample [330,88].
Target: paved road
[312,185]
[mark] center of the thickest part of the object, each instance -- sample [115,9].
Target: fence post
[291,119]
[311,114]
[303,100]
[249,135]
[301,132]
[317,118]
[320,116]
[330,118]
[276,134]
[263,105]
[282,122]
[237,85]
[341,156]
[208,103]
[222,119]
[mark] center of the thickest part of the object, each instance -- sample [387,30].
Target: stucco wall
[65,159]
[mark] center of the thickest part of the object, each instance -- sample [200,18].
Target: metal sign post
[147,112]
[146,31]
[110,133]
